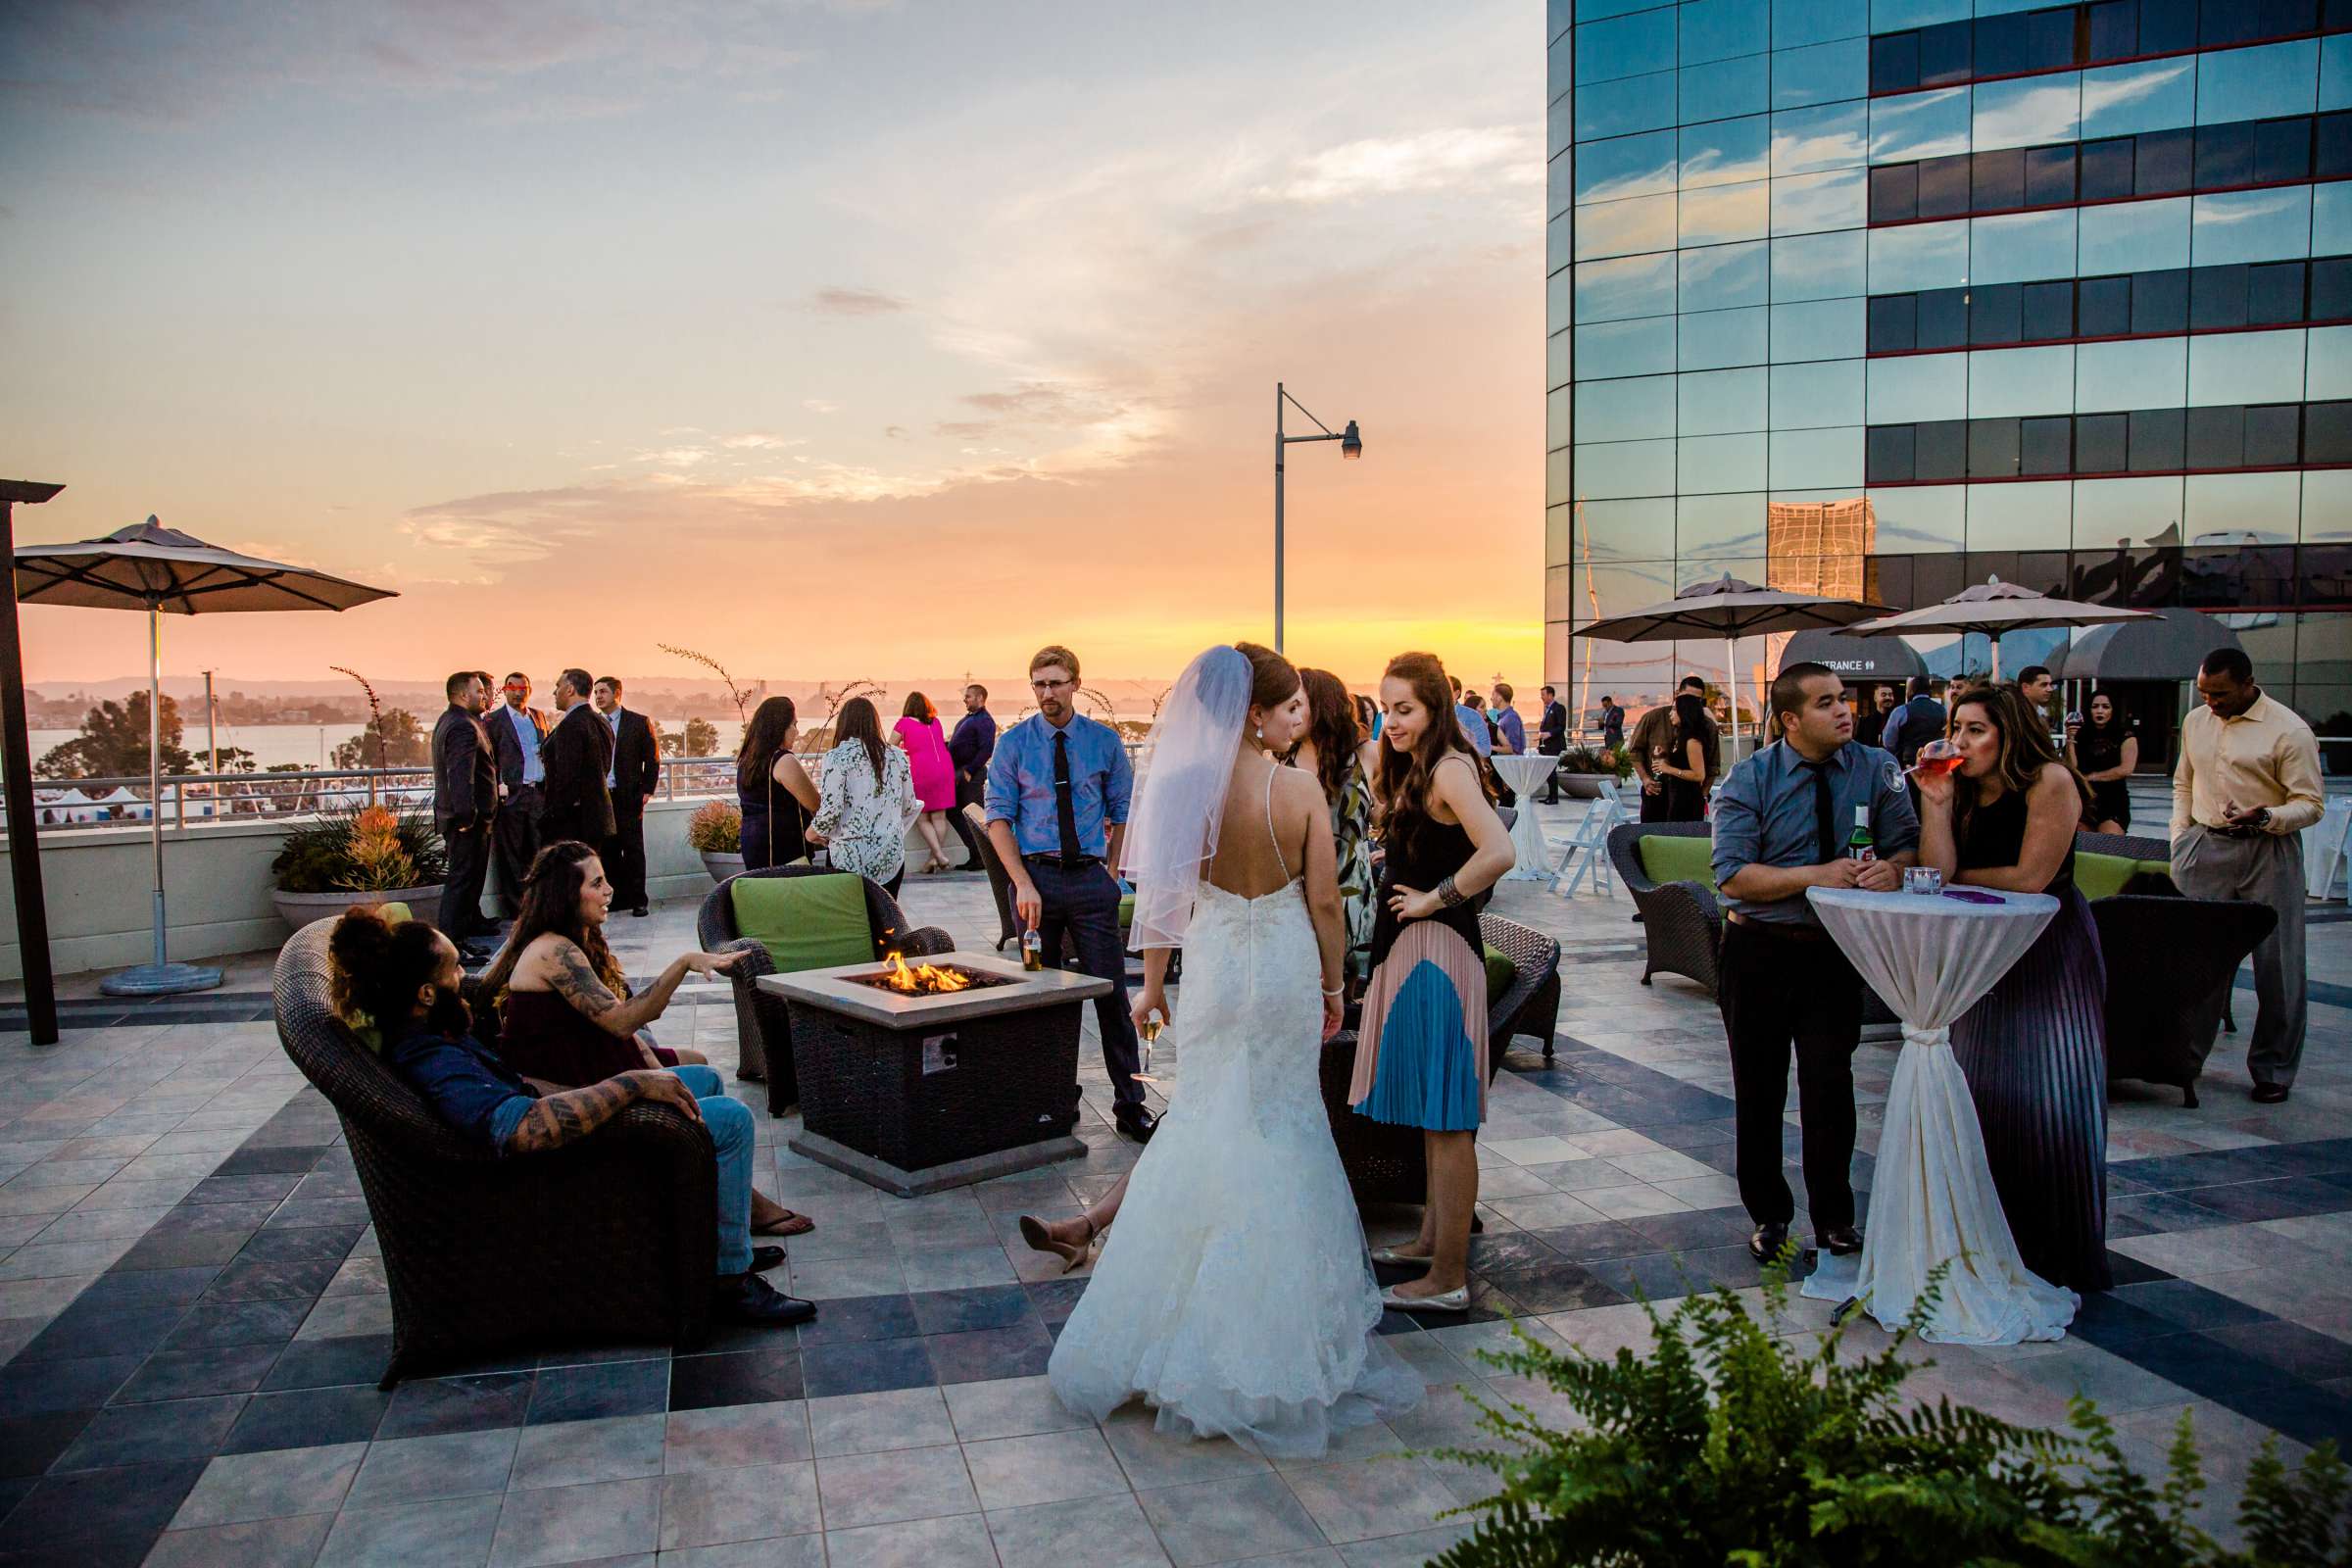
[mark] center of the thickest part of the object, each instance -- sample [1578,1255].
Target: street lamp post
[1351,448]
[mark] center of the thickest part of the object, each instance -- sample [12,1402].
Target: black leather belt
[1063,863]
[1787,929]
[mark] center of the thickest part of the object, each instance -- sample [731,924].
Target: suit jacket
[577,754]
[508,748]
[1553,725]
[970,749]
[465,771]
[636,763]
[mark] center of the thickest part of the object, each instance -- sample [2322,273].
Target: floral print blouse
[866,823]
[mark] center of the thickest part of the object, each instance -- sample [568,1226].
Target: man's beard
[449,1016]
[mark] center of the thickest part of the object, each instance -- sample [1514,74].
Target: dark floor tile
[97,1506]
[125,1331]
[1560,1287]
[191,1374]
[1589,1243]
[863,1317]
[327,1363]
[319,1213]
[218,1190]
[168,1246]
[866,1368]
[130,1550]
[1706,1227]
[305,1418]
[2124,1269]
[594,1393]
[323,1240]
[2285,1199]
[481,1363]
[2123,1227]
[2307,1414]
[599,1354]
[980,1355]
[2165,1211]
[1654,1276]
[2188,1304]
[2203,1364]
[1055,1300]
[30,1444]
[1490,1251]
[262,1279]
[747,1377]
[2309,1355]
[432,1407]
[12,1490]
[263,1159]
[985,1306]
[142,1434]
[138,1289]
[41,1387]
[323,1183]
[209,1326]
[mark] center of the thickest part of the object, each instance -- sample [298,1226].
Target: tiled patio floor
[193,1315]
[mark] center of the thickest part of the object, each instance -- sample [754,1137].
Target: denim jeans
[730,1124]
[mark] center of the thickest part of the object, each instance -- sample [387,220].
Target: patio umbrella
[165,573]
[1994,607]
[1729,608]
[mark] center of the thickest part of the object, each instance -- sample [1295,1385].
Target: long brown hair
[763,738]
[1331,728]
[919,706]
[551,901]
[2026,750]
[857,721]
[1407,782]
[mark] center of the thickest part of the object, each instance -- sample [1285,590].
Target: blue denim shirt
[1764,815]
[1474,729]
[468,1085]
[1513,727]
[1020,783]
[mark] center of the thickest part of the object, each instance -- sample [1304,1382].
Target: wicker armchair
[762,1023]
[1384,1162]
[1681,920]
[1000,883]
[2170,965]
[609,1237]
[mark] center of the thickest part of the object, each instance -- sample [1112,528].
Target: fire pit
[953,1070]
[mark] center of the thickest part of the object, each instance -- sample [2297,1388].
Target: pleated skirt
[1423,1040]
[2034,1052]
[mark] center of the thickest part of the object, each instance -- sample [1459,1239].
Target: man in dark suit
[517,732]
[970,749]
[635,777]
[578,758]
[1552,739]
[464,803]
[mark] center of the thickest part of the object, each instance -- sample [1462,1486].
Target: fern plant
[1728,1445]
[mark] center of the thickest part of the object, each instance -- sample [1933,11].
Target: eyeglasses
[1053,685]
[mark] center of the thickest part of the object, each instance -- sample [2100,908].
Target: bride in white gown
[1234,1294]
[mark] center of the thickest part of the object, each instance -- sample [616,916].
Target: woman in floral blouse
[869,798]
[1337,752]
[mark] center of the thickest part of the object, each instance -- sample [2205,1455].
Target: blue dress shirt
[1020,783]
[468,1086]
[613,723]
[1764,815]
[527,737]
[1514,728]
[1474,729]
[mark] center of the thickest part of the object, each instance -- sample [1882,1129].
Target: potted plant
[1583,767]
[373,855]
[715,833]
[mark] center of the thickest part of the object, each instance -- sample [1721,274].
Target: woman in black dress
[2106,752]
[1686,768]
[775,791]
[2035,1050]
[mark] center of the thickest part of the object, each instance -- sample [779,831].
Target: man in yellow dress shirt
[2247,783]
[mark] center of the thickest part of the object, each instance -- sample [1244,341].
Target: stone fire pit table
[917,1094]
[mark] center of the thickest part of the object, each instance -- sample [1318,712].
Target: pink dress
[927,754]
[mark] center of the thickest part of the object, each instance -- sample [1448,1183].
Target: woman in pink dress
[918,730]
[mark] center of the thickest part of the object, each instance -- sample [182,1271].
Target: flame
[923,979]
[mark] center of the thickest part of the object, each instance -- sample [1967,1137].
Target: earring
[1261,734]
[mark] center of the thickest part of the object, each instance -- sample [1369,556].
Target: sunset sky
[852,339]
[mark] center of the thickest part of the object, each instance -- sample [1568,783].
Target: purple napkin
[1972,896]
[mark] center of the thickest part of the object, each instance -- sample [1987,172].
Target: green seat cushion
[394,913]
[804,922]
[1677,857]
[1126,910]
[1501,972]
[2103,876]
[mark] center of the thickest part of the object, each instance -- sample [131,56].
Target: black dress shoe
[639,912]
[2270,1093]
[748,1298]
[1841,1241]
[1766,1243]
[1135,1122]
[764,1258]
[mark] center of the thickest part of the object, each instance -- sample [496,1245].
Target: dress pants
[1551,780]
[730,1122]
[624,858]
[1083,906]
[517,845]
[469,850]
[968,792]
[1780,991]
[2263,868]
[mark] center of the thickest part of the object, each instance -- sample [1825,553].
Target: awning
[2170,645]
[1855,659]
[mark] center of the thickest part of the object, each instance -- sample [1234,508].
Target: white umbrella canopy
[1994,607]
[1730,608]
[165,573]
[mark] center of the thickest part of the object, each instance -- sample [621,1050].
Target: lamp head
[1351,445]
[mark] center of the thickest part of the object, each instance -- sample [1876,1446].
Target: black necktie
[1825,811]
[1065,807]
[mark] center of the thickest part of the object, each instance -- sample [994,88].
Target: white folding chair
[2324,846]
[1587,847]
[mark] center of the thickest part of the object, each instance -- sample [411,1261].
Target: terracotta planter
[299,909]
[720,866]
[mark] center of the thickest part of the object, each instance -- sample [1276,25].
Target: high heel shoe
[1072,1255]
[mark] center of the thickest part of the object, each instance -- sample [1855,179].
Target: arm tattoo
[557,1119]
[575,980]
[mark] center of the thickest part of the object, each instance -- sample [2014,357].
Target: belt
[1063,863]
[2237,832]
[1787,929]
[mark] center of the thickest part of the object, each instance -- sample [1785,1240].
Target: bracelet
[1450,896]
[1335,991]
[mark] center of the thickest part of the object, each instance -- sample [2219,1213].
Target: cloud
[821,404]
[761,441]
[894,433]
[675,456]
[1427,161]
[855,302]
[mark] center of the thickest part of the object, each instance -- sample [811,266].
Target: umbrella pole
[1730,675]
[160,978]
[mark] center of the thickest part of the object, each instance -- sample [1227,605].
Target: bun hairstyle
[1273,679]
[375,968]
[1407,783]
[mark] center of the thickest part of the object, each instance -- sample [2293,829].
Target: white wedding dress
[1234,1292]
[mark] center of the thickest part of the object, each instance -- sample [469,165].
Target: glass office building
[1887,295]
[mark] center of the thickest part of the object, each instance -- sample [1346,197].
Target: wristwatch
[2260,818]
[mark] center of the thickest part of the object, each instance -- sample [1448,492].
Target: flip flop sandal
[791,1224]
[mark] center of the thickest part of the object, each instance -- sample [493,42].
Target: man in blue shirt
[407,980]
[1473,722]
[970,749]
[1782,821]
[1058,786]
[515,730]
[1507,719]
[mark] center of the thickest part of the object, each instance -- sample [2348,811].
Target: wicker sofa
[762,1022]
[1384,1162]
[609,1237]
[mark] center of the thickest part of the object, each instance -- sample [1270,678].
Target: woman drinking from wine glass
[2035,1050]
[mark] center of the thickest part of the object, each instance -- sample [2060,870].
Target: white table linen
[1931,957]
[2324,846]
[1526,776]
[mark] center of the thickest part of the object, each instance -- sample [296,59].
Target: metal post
[1278,447]
[15,761]
[162,978]
[212,730]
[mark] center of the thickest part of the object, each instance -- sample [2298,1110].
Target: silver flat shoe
[1458,1301]
[1390,1254]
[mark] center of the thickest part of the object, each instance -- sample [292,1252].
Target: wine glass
[1148,1037]
[1937,757]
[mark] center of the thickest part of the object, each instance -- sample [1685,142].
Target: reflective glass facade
[1885,296]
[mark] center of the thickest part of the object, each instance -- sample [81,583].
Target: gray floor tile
[1107,1531]
[578,1524]
[869,1423]
[1049,1467]
[707,1507]
[1239,1516]
[448,1532]
[1007,1407]
[291,1542]
[1359,1498]
[870,1488]
[282,1481]
[732,1437]
[570,1453]
[957,1540]
[461,1464]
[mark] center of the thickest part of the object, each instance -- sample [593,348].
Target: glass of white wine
[1153,1025]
